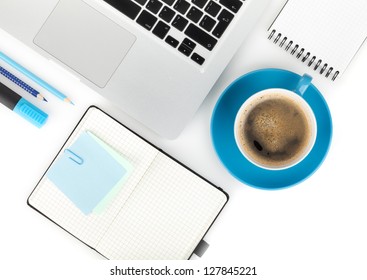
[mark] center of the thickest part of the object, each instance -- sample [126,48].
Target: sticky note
[116,189]
[86,172]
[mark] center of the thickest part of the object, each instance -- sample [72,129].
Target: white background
[315,230]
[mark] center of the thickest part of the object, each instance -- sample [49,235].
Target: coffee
[274,130]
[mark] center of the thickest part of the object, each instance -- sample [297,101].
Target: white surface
[315,230]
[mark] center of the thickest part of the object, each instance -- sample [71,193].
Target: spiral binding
[301,53]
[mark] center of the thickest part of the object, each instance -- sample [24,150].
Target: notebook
[325,35]
[124,197]
[88,182]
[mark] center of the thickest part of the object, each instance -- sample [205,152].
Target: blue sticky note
[102,205]
[86,173]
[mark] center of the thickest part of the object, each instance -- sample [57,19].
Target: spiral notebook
[148,206]
[323,34]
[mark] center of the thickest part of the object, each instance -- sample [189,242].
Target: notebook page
[165,218]
[50,201]
[331,30]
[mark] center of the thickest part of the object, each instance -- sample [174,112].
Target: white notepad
[324,34]
[162,211]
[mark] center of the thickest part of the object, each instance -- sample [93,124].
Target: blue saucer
[222,125]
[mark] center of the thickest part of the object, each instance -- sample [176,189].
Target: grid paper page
[166,217]
[49,200]
[330,30]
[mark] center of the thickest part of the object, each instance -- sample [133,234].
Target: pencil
[21,84]
[35,79]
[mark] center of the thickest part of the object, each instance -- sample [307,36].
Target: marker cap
[30,112]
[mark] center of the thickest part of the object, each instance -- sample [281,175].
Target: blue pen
[34,78]
[21,106]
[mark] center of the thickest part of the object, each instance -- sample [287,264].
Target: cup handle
[303,84]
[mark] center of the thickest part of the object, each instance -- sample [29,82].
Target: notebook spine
[300,53]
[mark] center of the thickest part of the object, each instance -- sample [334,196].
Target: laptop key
[171,41]
[233,5]
[225,19]
[190,44]
[187,46]
[127,7]
[225,16]
[199,3]
[201,37]
[194,14]
[181,6]
[184,49]
[219,29]
[161,29]
[207,23]
[180,22]
[198,59]
[154,6]
[167,14]
[147,20]
[212,8]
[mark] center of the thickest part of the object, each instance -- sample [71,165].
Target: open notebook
[148,205]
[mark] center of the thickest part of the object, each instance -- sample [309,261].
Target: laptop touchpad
[85,40]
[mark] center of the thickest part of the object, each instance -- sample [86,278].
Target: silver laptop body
[139,59]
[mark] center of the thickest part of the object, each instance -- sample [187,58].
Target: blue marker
[21,106]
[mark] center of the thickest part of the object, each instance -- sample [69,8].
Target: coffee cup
[276,128]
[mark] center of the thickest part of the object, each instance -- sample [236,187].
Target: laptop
[155,59]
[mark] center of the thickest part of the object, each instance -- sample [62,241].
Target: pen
[34,78]
[21,84]
[21,106]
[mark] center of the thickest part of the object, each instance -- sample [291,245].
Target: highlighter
[22,107]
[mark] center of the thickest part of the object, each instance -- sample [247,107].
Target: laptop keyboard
[202,22]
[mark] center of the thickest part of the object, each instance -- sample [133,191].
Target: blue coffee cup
[223,137]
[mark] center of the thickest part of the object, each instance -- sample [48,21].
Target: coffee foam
[274,130]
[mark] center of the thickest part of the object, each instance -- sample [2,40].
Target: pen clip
[74,157]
